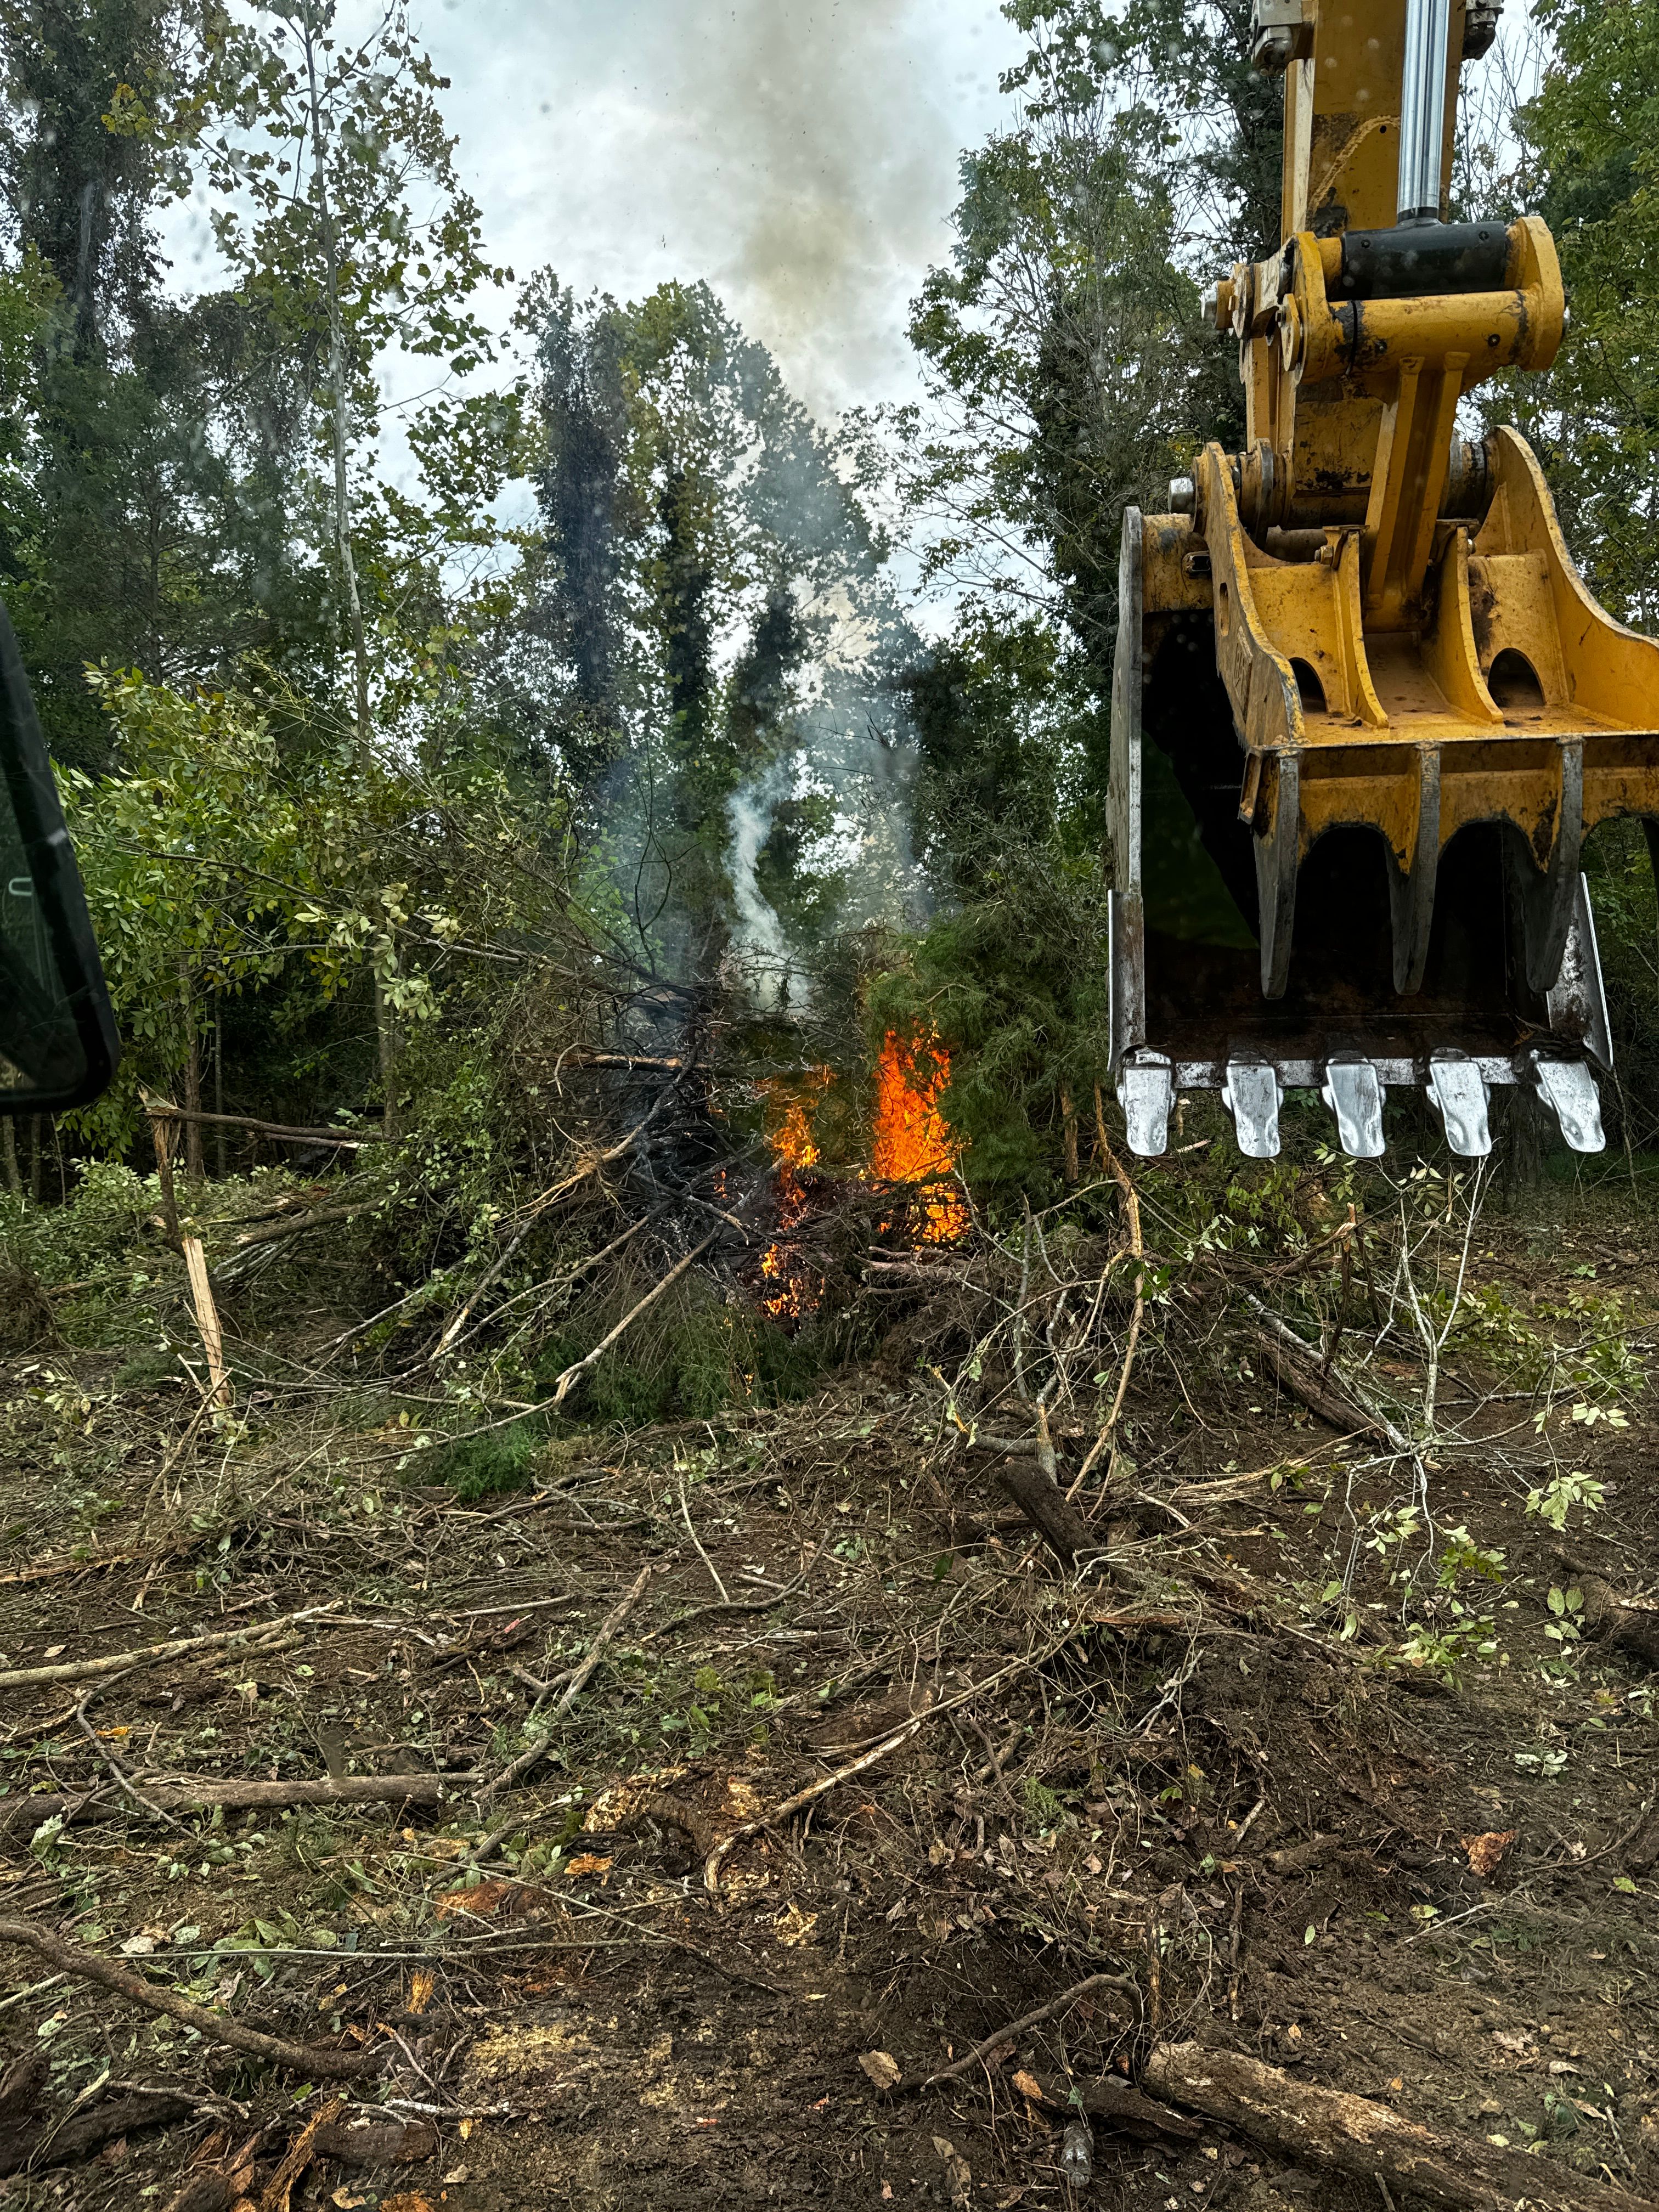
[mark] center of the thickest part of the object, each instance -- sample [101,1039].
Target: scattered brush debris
[1173,1720]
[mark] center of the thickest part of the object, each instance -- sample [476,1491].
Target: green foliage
[495,1461]
[711,647]
[218,864]
[1015,984]
[1591,138]
[1552,1502]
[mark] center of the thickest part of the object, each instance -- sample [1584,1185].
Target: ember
[912,1140]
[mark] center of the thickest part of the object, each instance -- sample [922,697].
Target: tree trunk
[9,1153]
[385,1033]
[195,1164]
[162,1129]
[35,1148]
[1524,1130]
[339,397]
[219,1082]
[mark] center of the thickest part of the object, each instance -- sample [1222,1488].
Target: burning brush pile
[909,1170]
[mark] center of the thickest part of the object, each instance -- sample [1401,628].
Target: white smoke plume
[749,814]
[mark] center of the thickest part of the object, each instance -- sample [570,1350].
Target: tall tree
[710,619]
[1591,140]
[339,206]
[116,551]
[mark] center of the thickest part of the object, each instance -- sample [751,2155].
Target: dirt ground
[1321,1768]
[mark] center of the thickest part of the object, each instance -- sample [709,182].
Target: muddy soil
[1324,1769]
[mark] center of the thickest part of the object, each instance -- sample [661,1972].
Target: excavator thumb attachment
[1365,710]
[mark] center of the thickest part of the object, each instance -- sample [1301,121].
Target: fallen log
[1045,1505]
[371,2138]
[1354,2135]
[241,1796]
[1630,1628]
[1112,2101]
[1321,1384]
[35,2133]
[88,1967]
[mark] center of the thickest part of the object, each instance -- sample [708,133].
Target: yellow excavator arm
[1364,709]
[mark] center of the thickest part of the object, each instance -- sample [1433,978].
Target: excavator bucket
[1365,710]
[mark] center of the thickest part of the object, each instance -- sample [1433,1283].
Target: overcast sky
[800,155]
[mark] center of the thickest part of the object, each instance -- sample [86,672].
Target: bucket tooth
[1145,1092]
[1251,1095]
[1354,1092]
[1568,1088]
[1457,1089]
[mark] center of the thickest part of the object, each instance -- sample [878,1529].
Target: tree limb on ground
[1111,2100]
[242,1797]
[217,2026]
[573,1375]
[1125,1182]
[296,1224]
[34,2134]
[1352,2134]
[281,1130]
[802,1798]
[81,1670]
[1326,1390]
[536,1750]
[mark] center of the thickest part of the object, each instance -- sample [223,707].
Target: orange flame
[795,1145]
[912,1140]
[911,1143]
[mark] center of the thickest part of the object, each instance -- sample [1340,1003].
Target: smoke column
[801,155]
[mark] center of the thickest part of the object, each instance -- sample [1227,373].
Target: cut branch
[81,1670]
[1120,1176]
[571,1375]
[217,2026]
[280,1131]
[163,1797]
[535,1752]
[802,1798]
[1016,2028]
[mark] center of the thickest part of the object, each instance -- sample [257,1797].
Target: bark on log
[1354,2135]
[234,1796]
[1043,1503]
[181,1647]
[1632,1629]
[1117,2103]
[1303,1383]
[39,2141]
[371,2138]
